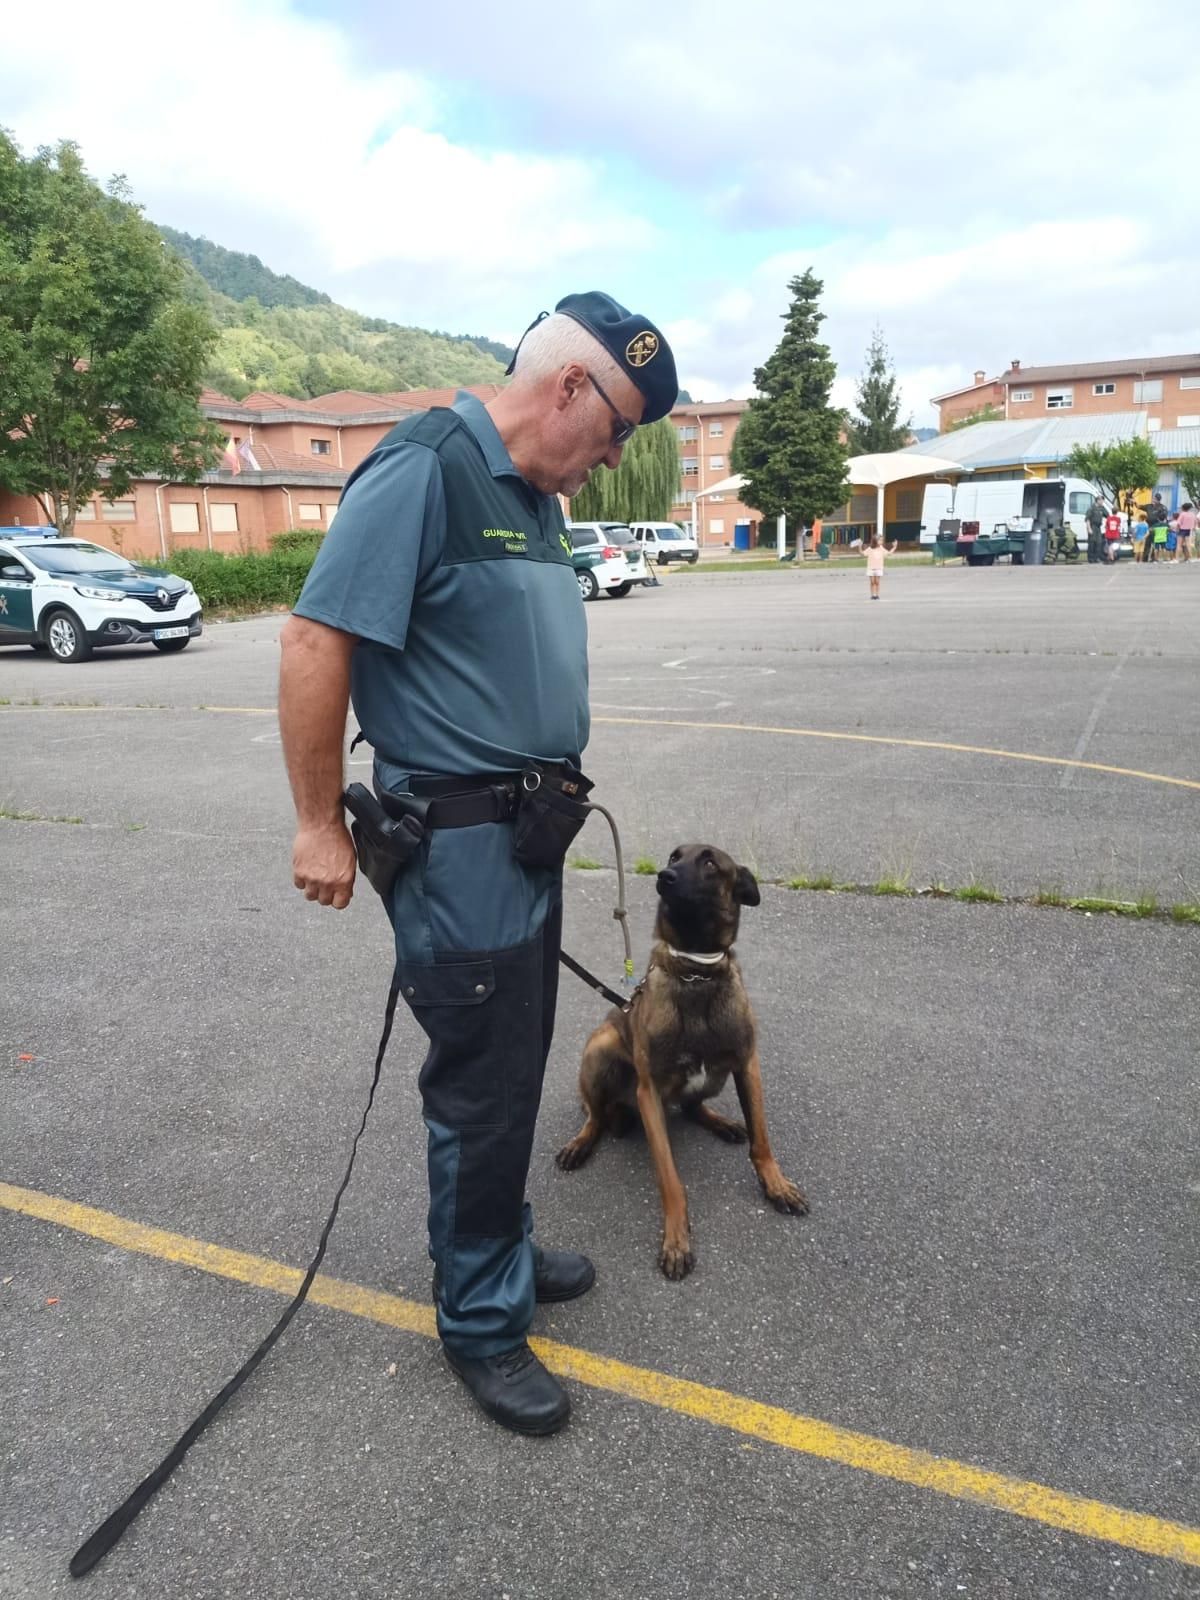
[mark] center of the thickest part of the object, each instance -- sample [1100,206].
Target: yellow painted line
[914,744]
[1093,1519]
[743,727]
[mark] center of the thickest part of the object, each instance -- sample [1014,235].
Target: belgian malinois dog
[689,1028]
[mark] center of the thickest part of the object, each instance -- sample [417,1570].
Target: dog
[688,1028]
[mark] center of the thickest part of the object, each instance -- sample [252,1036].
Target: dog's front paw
[676,1260]
[786,1197]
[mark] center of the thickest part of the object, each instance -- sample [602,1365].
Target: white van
[666,541]
[1007,505]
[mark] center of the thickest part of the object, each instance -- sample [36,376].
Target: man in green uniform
[444,603]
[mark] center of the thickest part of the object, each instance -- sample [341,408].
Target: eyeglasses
[626,429]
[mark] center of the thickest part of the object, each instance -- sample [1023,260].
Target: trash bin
[1035,547]
[741,536]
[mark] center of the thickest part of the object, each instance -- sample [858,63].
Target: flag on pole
[248,456]
[229,459]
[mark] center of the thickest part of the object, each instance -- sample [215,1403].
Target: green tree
[788,444]
[643,488]
[1189,477]
[101,353]
[1117,470]
[987,413]
[877,428]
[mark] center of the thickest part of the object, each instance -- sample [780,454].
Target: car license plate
[170,633]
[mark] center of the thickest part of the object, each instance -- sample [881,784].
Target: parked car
[608,560]
[663,542]
[68,596]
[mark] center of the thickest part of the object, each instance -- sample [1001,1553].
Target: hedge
[252,582]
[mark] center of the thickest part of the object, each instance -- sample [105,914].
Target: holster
[384,842]
[551,810]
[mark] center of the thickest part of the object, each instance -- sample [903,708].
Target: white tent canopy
[881,471]
[726,486]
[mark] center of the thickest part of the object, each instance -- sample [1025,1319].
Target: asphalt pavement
[991,1107]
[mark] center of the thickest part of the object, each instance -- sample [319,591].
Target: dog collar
[700,960]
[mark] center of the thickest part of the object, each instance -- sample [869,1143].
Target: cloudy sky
[983,182]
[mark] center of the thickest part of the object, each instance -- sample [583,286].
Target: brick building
[1165,389]
[297,455]
[706,433]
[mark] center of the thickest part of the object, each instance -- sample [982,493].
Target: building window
[320,447]
[1153,424]
[1192,381]
[716,430]
[1060,399]
[1104,388]
[222,518]
[716,525]
[687,497]
[691,467]
[1145,393]
[85,511]
[687,434]
[863,508]
[1019,395]
[717,463]
[119,511]
[1189,422]
[716,497]
[330,513]
[908,504]
[185,517]
[309,513]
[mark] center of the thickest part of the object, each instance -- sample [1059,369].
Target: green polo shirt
[455,575]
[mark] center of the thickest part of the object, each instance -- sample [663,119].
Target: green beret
[633,342]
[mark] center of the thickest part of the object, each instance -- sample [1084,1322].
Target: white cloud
[272,138]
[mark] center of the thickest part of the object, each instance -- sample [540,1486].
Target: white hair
[555,343]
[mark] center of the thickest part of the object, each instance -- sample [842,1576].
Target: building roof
[1035,441]
[967,388]
[1176,444]
[709,408]
[1103,369]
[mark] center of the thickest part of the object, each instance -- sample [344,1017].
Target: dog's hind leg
[724,1127]
[602,1074]
[576,1151]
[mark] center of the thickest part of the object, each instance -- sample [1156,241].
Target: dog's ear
[745,888]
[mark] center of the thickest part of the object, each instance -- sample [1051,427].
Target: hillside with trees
[276,333]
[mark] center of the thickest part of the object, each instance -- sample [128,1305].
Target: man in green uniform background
[444,604]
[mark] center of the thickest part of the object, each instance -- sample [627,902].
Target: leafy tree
[643,487]
[101,354]
[241,276]
[987,413]
[877,428]
[787,445]
[1117,470]
[1189,477]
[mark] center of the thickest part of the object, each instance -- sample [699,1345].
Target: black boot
[557,1275]
[561,1275]
[515,1390]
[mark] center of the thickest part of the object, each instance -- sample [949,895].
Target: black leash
[110,1530]
[622,1000]
[95,1548]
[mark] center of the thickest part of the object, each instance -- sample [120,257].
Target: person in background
[1185,524]
[1112,535]
[1095,528]
[875,554]
[1141,537]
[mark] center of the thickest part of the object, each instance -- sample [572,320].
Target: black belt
[458,802]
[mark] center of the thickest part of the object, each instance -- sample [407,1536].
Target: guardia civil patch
[643,347]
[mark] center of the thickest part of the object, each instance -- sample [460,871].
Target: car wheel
[65,638]
[588,587]
[620,591]
[662,561]
[170,647]
[693,558]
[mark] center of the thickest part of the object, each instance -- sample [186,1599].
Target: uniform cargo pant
[477,941]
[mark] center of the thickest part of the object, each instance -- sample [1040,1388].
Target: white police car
[68,596]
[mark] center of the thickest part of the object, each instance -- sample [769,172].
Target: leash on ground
[97,1546]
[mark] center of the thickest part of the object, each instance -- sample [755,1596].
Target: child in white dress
[876,551]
